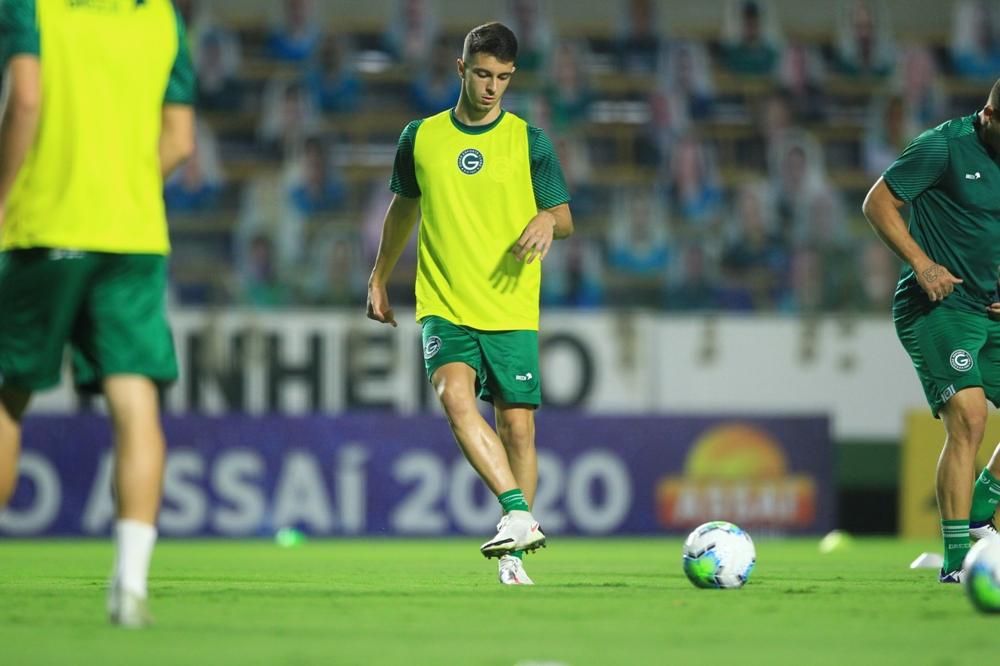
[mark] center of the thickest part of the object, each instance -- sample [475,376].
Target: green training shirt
[951,180]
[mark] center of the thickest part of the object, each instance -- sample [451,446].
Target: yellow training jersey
[476,196]
[92,179]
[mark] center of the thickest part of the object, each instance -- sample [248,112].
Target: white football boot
[951,576]
[127,609]
[983,530]
[512,571]
[518,530]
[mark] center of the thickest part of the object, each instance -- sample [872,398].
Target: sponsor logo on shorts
[470,161]
[59,255]
[526,377]
[961,360]
[432,346]
[947,393]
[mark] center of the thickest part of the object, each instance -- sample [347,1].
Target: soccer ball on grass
[982,575]
[719,555]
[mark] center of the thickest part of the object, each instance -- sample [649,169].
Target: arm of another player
[177,131]
[176,137]
[20,119]
[918,168]
[548,225]
[881,207]
[399,221]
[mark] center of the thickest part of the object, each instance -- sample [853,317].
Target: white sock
[133,549]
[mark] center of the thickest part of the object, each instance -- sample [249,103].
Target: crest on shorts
[470,161]
[432,346]
[961,360]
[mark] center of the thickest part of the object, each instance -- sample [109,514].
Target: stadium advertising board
[627,362]
[378,474]
[921,449]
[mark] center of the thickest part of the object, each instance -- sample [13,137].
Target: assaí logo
[738,471]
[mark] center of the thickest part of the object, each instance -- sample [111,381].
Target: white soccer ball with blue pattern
[982,575]
[719,555]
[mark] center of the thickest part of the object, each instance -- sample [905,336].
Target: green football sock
[519,554]
[513,500]
[985,497]
[956,543]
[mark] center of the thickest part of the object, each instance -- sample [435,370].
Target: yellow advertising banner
[923,439]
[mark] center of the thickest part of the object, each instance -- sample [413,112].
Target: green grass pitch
[608,601]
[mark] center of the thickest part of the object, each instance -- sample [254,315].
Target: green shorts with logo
[109,308]
[506,362]
[951,350]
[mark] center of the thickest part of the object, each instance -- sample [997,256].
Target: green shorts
[952,350]
[506,362]
[110,309]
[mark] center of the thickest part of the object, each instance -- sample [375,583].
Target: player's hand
[536,239]
[993,310]
[937,282]
[378,305]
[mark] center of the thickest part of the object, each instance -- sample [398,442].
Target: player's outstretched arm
[548,225]
[399,221]
[20,119]
[176,136]
[881,207]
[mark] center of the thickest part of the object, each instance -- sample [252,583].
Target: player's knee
[456,401]
[967,427]
[517,433]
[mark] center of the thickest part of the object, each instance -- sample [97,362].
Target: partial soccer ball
[982,575]
[719,555]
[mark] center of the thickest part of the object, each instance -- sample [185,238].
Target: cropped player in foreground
[491,197]
[947,307]
[99,111]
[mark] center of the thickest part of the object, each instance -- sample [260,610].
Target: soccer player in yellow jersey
[491,197]
[99,111]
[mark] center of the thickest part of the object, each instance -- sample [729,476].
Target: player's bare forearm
[536,239]
[20,119]
[176,137]
[881,208]
[563,221]
[400,218]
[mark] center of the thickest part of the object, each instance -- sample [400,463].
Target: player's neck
[473,118]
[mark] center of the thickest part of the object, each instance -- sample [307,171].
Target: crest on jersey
[470,161]
[961,360]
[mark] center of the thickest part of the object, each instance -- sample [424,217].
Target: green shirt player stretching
[99,111]
[491,197]
[947,306]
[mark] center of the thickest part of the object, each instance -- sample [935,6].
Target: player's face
[484,80]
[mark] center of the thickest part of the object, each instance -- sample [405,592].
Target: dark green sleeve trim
[546,173]
[18,30]
[181,87]
[404,170]
[919,167]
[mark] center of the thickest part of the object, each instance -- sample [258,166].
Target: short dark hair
[493,39]
[994,98]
